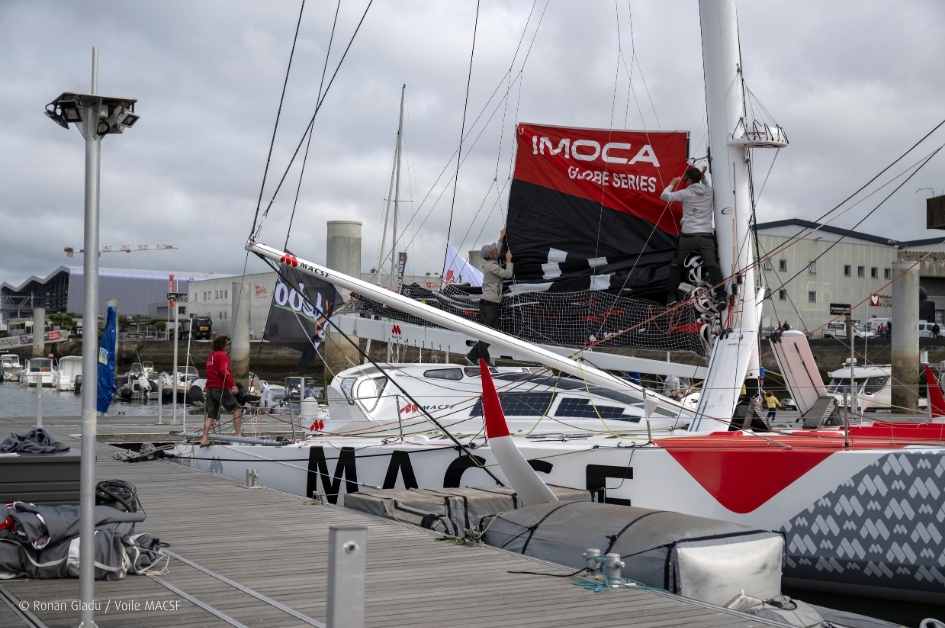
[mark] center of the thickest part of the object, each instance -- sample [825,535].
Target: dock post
[39,404]
[347,561]
[160,401]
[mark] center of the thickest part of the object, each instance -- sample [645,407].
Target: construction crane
[125,248]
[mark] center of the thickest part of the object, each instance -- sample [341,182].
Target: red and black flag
[585,209]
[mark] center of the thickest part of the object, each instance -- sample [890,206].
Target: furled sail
[585,212]
[293,321]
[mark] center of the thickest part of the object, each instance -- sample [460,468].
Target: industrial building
[139,292]
[215,297]
[856,266]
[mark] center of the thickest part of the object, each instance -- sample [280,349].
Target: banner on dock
[300,309]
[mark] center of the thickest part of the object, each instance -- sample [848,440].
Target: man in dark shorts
[220,389]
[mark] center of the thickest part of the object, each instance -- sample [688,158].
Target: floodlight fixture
[114,114]
[69,109]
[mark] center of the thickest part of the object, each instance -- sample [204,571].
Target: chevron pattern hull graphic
[885,526]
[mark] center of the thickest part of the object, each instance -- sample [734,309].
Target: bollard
[592,561]
[347,559]
[613,570]
[251,477]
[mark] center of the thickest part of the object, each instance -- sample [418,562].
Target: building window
[874,273]
[861,271]
[812,268]
[887,273]
[782,295]
[782,265]
[767,265]
[226,294]
[812,296]
[847,270]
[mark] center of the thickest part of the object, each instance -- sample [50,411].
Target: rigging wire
[793,240]
[275,127]
[462,132]
[505,110]
[308,143]
[807,231]
[519,79]
[863,219]
[311,123]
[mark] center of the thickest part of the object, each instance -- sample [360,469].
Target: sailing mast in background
[392,201]
[731,136]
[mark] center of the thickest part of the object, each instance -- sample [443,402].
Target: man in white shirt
[697,234]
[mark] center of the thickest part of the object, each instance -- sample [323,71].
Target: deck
[259,557]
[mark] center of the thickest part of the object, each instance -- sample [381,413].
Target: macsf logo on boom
[591,150]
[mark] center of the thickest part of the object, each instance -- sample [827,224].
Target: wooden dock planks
[277,544]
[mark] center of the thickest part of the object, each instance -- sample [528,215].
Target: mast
[393,245]
[733,352]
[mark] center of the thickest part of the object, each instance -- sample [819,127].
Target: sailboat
[860,507]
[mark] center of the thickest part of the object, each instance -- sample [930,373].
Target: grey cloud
[853,83]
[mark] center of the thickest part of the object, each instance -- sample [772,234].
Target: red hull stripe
[743,472]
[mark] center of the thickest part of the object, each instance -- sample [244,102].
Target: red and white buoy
[531,489]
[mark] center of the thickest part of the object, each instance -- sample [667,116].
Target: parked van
[835,329]
[925,329]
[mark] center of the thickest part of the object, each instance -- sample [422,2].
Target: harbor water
[17,400]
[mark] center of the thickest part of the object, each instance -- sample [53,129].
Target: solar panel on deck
[519,404]
[583,409]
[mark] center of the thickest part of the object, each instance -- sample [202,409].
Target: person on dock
[772,403]
[221,388]
[495,268]
[696,234]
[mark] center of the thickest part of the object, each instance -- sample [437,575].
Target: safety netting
[584,319]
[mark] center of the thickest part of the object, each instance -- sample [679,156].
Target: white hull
[871,517]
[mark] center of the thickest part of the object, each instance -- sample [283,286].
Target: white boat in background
[70,369]
[40,372]
[871,385]
[534,400]
[10,367]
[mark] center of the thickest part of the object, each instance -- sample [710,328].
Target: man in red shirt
[220,388]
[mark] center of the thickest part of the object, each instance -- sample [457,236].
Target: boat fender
[781,609]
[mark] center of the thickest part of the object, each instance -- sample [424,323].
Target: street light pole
[93,162]
[95,116]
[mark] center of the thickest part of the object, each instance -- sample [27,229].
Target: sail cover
[296,321]
[584,208]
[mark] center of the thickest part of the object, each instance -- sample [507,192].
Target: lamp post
[95,116]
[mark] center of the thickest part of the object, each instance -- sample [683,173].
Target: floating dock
[258,557]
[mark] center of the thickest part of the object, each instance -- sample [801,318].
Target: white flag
[459,270]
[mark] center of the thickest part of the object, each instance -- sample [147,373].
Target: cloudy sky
[853,83]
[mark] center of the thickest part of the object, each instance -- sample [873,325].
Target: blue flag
[106,359]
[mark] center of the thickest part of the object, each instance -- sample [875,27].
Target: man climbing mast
[697,233]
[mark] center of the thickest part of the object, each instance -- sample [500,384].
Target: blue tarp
[106,360]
